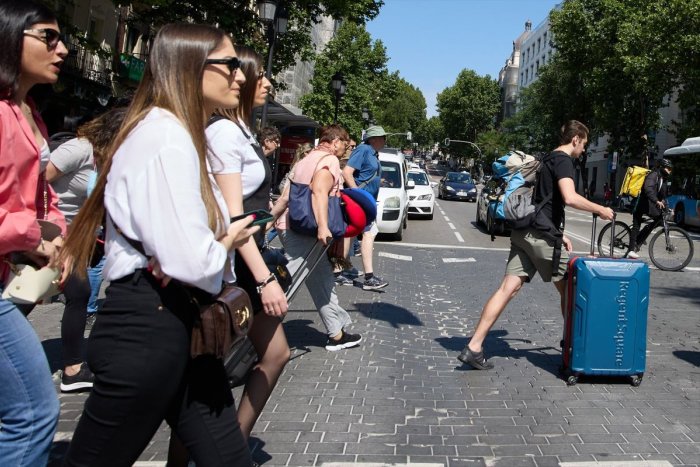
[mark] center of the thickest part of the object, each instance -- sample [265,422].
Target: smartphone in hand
[260,217]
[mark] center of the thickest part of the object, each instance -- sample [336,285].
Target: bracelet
[261,285]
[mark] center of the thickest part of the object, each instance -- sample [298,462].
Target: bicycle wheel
[673,255]
[621,245]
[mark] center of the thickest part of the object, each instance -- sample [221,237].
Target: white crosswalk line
[458,260]
[394,256]
[459,237]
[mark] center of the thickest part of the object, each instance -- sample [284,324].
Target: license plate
[462,193]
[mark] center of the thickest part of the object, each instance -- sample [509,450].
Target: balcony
[85,63]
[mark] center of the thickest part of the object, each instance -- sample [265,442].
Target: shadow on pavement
[689,356]
[256,450]
[392,314]
[688,293]
[302,333]
[59,449]
[52,348]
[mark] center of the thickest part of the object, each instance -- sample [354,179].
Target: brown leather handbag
[222,323]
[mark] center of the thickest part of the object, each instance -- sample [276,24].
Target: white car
[421,199]
[392,201]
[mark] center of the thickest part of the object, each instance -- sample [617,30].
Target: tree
[363,65]
[470,106]
[431,132]
[236,17]
[404,112]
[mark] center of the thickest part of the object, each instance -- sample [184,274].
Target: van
[392,201]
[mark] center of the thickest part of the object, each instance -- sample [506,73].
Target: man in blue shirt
[364,171]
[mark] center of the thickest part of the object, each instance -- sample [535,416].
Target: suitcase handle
[612,235]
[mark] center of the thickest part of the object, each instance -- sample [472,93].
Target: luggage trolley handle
[612,235]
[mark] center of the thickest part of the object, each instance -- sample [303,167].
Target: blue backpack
[519,171]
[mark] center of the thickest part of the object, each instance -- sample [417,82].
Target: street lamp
[339,86]
[276,20]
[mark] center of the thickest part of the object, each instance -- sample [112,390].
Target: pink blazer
[21,185]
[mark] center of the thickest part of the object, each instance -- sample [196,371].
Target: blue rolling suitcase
[605,325]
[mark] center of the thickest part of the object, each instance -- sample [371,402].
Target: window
[539,41]
[545,39]
[420,178]
[391,175]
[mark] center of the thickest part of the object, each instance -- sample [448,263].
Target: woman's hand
[155,269]
[46,253]
[324,235]
[240,232]
[273,300]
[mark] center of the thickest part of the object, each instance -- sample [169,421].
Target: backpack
[634,180]
[519,170]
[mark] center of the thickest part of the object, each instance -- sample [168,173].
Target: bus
[685,182]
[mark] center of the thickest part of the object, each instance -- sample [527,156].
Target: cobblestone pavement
[403,398]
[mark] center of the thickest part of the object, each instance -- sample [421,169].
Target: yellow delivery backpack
[634,180]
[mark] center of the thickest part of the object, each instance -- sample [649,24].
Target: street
[402,397]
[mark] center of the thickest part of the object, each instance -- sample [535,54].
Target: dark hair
[572,128]
[269,132]
[101,131]
[15,17]
[331,132]
[251,63]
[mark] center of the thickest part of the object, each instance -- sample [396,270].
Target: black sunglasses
[50,36]
[232,63]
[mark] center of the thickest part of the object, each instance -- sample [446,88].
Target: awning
[282,115]
[689,146]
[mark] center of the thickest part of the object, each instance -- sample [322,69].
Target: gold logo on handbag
[242,317]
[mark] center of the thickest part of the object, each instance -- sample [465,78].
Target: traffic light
[447,141]
[409,135]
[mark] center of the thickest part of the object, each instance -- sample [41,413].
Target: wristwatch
[261,285]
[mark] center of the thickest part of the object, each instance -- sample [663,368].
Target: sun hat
[354,216]
[364,199]
[374,130]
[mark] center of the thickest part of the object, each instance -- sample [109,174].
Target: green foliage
[430,132]
[469,107]
[363,65]
[237,18]
[615,62]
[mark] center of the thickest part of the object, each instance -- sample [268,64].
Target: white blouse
[153,195]
[230,151]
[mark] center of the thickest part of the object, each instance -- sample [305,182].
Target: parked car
[392,201]
[421,199]
[457,185]
[489,197]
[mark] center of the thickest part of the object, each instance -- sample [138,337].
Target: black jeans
[139,352]
[637,237]
[77,293]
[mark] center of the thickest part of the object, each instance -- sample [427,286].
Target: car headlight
[392,203]
[473,190]
[424,197]
[449,188]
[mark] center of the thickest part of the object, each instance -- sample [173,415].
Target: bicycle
[670,248]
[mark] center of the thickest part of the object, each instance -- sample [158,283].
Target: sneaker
[90,321]
[375,283]
[346,341]
[475,360]
[352,272]
[633,254]
[342,279]
[79,381]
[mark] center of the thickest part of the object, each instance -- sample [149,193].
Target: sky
[430,41]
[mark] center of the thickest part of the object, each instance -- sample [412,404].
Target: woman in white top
[241,170]
[154,190]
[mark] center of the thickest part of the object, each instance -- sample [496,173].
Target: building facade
[508,76]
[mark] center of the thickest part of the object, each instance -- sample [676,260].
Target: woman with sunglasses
[243,173]
[32,53]
[165,220]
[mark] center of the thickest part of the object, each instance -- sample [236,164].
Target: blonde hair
[172,81]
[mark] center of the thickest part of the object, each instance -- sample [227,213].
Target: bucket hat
[374,130]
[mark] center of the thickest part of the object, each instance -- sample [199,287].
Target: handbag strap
[337,184]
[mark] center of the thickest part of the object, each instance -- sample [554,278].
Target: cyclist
[651,203]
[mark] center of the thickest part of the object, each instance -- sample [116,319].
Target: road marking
[447,219]
[452,226]
[692,269]
[393,256]
[578,237]
[459,237]
[458,260]
[617,464]
[431,246]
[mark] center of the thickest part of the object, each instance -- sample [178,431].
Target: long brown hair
[172,81]
[251,64]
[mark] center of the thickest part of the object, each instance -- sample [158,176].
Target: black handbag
[277,262]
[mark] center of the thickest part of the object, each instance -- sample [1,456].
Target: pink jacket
[21,185]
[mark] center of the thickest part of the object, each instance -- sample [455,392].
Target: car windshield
[391,175]
[419,178]
[459,177]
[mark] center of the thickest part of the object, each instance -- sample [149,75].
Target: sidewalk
[403,398]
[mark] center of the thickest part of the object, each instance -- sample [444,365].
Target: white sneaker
[633,254]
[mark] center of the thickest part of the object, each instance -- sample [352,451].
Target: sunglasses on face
[47,35]
[232,63]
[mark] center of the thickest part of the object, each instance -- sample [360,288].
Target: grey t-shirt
[74,159]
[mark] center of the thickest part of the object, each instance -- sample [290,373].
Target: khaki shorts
[530,253]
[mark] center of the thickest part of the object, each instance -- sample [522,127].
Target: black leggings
[77,293]
[139,352]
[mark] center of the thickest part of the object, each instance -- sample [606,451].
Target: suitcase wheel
[572,380]
[636,379]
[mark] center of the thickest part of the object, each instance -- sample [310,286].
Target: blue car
[457,185]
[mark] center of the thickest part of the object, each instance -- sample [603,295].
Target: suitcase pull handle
[612,235]
[595,221]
